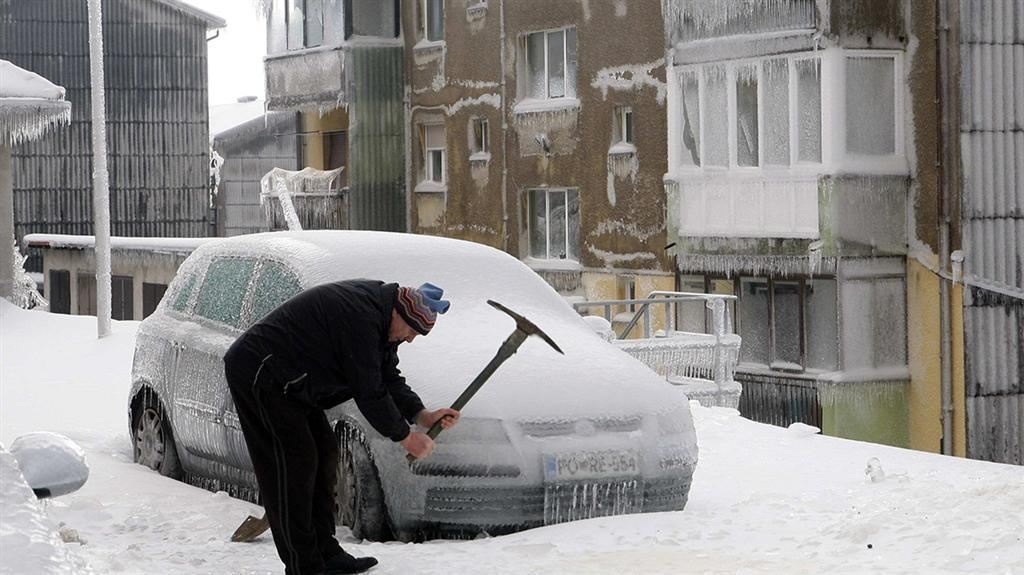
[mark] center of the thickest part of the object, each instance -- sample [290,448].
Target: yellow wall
[313,123]
[923,346]
[606,285]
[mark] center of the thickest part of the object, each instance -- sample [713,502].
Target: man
[327,345]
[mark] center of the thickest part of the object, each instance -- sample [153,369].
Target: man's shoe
[344,564]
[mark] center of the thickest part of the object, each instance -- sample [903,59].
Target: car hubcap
[149,440]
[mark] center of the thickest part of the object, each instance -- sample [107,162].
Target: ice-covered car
[549,438]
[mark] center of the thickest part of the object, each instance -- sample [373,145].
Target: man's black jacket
[329,344]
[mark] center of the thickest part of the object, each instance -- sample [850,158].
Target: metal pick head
[526,326]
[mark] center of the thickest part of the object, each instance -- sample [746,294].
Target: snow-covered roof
[224,117]
[63,241]
[29,104]
[212,21]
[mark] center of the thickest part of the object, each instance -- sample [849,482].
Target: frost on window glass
[554,224]
[296,23]
[746,116]
[313,26]
[570,62]
[538,224]
[716,117]
[220,298]
[556,227]
[787,323]
[776,112]
[690,315]
[435,19]
[808,92]
[822,325]
[888,311]
[572,224]
[535,65]
[181,299]
[870,106]
[556,64]
[274,285]
[688,82]
[373,18]
[754,320]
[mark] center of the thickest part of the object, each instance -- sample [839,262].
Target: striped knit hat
[419,306]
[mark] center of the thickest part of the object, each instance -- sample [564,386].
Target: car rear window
[223,290]
[274,285]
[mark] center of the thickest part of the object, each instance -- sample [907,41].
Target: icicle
[814,257]
[27,119]
[758,265]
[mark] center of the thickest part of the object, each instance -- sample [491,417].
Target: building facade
[537,127]
[156,104]
[850,170]
[338,64]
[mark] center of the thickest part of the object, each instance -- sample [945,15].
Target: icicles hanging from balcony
[310,195]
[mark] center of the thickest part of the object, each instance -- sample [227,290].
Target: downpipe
[946,94]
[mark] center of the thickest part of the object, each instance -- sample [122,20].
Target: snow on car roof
[591,379]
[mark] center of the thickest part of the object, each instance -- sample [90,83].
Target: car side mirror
[52,464]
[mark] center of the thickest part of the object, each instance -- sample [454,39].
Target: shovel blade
[250,529]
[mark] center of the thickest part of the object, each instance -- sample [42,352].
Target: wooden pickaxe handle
[524,329]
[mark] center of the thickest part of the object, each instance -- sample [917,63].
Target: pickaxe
[524,329]
[253,526]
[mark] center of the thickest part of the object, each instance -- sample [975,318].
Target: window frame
[428,166]
[834,156]
[289,7]
[569,95]
[479,147]
[424,30]
[623,126]
[894,163]
[773,358]
[570,250]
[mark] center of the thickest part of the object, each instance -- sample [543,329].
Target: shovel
[250,529]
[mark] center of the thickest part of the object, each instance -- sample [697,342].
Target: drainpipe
[504,134]
[947,159]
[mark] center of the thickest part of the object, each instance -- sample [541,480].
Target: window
[433,137]
[220,298]
[376,18]
[432,18]
[789,325]
[305,23]
[274,285]
[554,224]
[551,64]
[623,132]
[122,301]
[152,294]
[751,114]
[871,105]
[188,285]
[336,154]
[478,138]
[59,287]
[86,294]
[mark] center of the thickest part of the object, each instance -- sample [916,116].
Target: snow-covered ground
[764,499]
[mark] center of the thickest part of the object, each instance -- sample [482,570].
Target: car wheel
[152,440]
[359,498]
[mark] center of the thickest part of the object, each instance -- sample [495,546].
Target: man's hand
[448,417]
[418,444]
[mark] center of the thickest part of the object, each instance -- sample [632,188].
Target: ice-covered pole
[100,185]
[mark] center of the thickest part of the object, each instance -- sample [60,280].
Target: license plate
[590,465]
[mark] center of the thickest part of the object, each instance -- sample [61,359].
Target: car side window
[188,284]
[273,286]
[223,290]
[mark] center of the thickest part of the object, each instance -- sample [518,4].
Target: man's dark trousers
[295,456]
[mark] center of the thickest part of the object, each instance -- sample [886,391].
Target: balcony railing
[703,364]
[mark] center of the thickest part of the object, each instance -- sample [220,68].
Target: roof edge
[212,21]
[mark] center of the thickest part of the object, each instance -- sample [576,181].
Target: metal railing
[704,364]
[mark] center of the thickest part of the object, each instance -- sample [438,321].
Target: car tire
[359,498]
[152,439]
